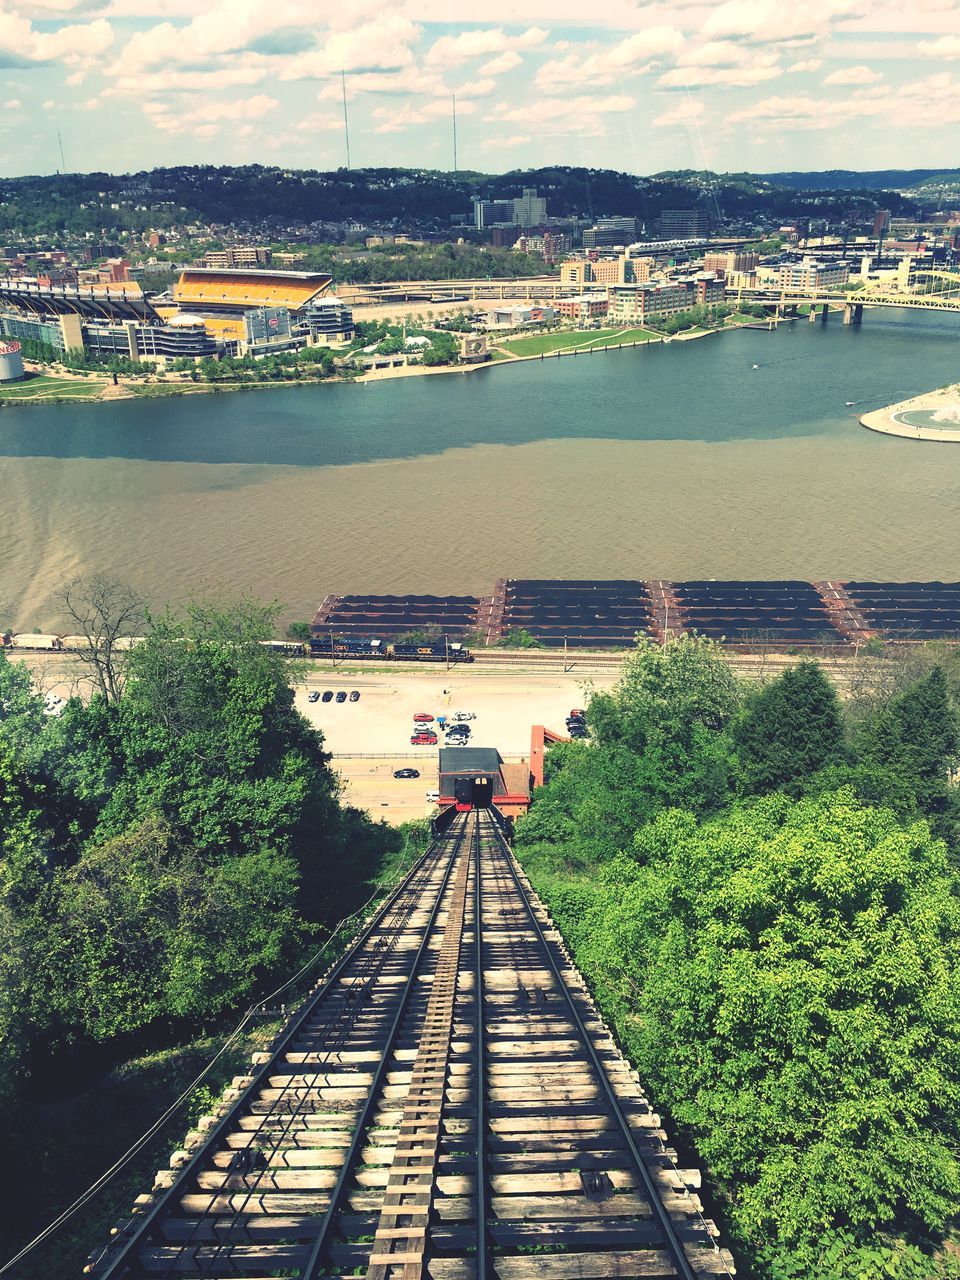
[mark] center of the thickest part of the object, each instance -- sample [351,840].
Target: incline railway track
[447,1103]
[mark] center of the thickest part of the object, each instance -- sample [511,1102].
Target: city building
[516,317]
[881,222]
[555,243]
[583,308]
[11,361]
[236,256]
[529,210]
[635,304]
[683,223]
[492,213]
[576,271]
[608,233]
[727,263]
[806,276]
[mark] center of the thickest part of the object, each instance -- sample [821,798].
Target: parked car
[354,695]
[314,696]
[433,795]
[327,696]
[460,716]
[424,739]
[578,733]
[406,773]
[341,696]
[578,712]
[422,718]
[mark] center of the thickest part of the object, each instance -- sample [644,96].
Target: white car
[459,717]
[433,795]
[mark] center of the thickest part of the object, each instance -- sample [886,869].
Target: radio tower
[346,126]
[454,133]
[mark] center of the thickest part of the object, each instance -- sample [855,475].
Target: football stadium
[208,312]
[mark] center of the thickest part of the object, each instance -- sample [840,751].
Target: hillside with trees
[170,849]
[761,885]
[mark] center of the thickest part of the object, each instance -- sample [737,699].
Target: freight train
[317,648]
[321,647]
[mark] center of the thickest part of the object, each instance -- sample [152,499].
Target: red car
[422,718]
[424,739]
[577,714]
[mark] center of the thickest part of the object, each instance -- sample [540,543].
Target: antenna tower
[63,163]
[454,133]
[346,126]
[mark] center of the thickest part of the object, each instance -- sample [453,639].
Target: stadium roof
[97,302]
[204,287]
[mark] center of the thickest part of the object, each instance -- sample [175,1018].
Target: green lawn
[546,343]
[44,387]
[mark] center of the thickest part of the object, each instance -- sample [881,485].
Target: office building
[806,276]
[881,222]
[635,304]
[530,210]
[583,308]
[608,233]
[683,223]
[727,263]
[236,256]
[492,213]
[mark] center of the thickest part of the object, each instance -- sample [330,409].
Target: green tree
[917,736]
[787,977]
[789,729]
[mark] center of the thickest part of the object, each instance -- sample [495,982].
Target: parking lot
[371,738]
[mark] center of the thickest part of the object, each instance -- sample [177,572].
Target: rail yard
[446,1103]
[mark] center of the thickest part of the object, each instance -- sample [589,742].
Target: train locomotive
[348,647]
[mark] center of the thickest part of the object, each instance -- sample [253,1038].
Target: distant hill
[867,180]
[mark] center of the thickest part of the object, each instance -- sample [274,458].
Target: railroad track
[447,1103]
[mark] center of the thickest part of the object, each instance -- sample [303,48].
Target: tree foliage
[781,957]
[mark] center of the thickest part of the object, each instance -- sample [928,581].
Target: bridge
[527,288]
[852,304]
[446,1103]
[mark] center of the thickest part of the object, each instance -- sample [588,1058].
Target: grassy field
[44,387]
[546,343]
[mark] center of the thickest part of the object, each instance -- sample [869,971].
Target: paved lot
[360,733]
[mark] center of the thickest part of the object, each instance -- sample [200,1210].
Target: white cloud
[630,56]
[582,116]
[947,47]
[319,123]
[773,22]
[412,80]
[398,119]
[801,112]
[12,104]
[806,64]
[382,44]
[688,111]
[853,76]
[72,44]
[203,115]
[496,144]
[503,62]
[476,89]
[453,51]
[724,63]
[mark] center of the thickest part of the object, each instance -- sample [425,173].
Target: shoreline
[123,391]
[887,420]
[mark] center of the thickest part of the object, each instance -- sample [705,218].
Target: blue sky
[730,84]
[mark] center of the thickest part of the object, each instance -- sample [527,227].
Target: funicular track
[448,1103]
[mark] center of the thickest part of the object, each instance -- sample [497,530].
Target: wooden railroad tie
[401,1238]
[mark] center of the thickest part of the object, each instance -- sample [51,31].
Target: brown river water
[734,456]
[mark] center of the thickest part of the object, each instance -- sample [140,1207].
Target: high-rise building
[727,263]
[491,213]
[684,223]
[530,210]
[881,222]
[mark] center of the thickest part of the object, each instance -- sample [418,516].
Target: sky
[760,85]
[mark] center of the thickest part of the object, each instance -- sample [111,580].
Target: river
[730,456]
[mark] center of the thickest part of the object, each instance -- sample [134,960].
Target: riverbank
[920,417]
[128,388]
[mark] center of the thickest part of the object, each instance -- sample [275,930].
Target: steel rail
[129,1243]
[480,1082]
[674,1244]
[338,1026]
[313,1266]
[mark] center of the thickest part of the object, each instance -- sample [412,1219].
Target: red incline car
[424,739]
